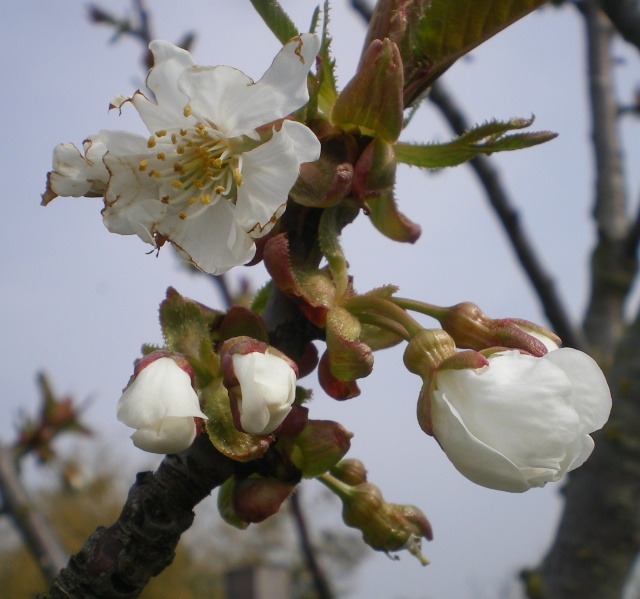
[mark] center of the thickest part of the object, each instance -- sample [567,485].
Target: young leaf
[485,139]
[449,29]
[276,19]
[327,86]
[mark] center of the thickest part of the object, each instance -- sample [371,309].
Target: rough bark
[599,533]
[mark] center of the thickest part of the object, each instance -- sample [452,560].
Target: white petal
[173,436]
[591,396]
[474,459]
[213,241]
[268,391]
[160,390]
[132,199]
[238,106]
[75,175]
[170,61]
[306,144]
[510,404]
[269,172]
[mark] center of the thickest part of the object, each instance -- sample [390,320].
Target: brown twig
[36,532]
[320,581]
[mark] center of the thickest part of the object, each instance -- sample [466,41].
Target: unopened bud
[471,328]
[319,447]
[351,472]
[254,499]
[427,350]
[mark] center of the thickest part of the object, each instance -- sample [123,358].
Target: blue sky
[78,301]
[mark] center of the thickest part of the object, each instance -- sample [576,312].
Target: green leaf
[276,19]
[485,139]
[449,29]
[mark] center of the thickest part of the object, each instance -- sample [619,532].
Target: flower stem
[431,310]
[386,308]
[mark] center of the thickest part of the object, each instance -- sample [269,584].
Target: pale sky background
[79,301]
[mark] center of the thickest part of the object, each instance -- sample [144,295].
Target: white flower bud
[521,421]
[161,403]
[268,387]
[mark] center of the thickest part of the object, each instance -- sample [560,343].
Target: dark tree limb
[599,533]
[34,529]
[612,268]
[117,562]
[625,15]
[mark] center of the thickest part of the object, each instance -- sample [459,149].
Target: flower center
[198,167]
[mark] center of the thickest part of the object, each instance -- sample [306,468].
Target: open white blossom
[521,421]
[268,388]
[161,404]
[215,173]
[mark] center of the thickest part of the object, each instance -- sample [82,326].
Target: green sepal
[386,217]
[186,329]
[260,299]
[349,358]
[484,139]
[276,19]
[226,438]
[242,322]
[332,222]
[373,97]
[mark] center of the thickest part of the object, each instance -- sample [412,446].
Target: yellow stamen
[182,215]
[142,166]
[192,201]
[177,184]
[174,138]
[205,199]
[161,156]
[187,110]
[237,176]
[198,184]
[183,132]
[151,142]
[219,189]
[161,133]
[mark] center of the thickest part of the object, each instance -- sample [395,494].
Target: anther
[151,142]
[143,165]
[187,110]
[161,133]
[177,184]
[161,156]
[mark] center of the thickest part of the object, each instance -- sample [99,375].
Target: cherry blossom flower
[215,173]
